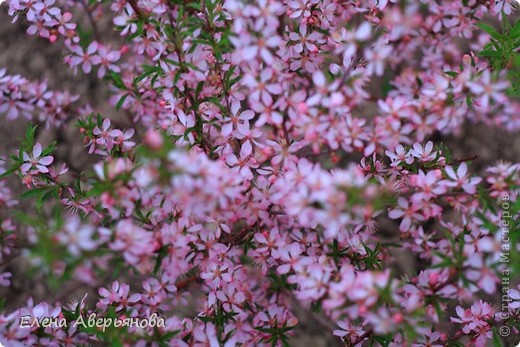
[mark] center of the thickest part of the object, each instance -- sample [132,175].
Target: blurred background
[37,59]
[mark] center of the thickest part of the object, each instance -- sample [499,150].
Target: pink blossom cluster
[7,245]
[49,21]
[36,171]
[272,145]
[20,97]
[7,229]
[46,18]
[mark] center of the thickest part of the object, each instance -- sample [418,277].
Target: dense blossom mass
[270,149]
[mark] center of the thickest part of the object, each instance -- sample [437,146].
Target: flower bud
[153,139]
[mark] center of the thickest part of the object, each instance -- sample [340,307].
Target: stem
[183,284]
[71,290]
[473,157]
[136,9]
[361,338]
[9,260]
[198,119]
[91,19]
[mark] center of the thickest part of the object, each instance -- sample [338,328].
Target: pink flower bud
[153,139]
[433,278]
[398,318]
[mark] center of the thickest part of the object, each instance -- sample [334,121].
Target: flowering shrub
[270,142]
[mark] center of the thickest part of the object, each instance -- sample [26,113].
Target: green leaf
[515,31]
[169,335]
[451,73]
[505,22]
[118,81]
[491,31]
[121,102]
[8,173]
[194,5]
[497,342]
[33,193]
[29,136]
[44,197]
[489,53]
[50,148]
[149,70]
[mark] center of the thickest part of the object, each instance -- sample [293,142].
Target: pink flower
[122,139]
[292,259]
[248,191]
[425,154]
[476,321]
[34,161]
[503,5]
[251,49]
[376,59]
[438,87]
[125,20]
[77,237]
[432,339]
[237,120]
[231,297]
[301,7]
[514,294]
[461,179]
[488,90]
[117,295]
[64,24]
[481,273]
[107,59]
[346,42]
[428,184]
[349,332]
[409,211]
[105,136]
[216,274]
[4,279]
[400,155]
[261,90]
[304,39]
[85,58]
[137,244]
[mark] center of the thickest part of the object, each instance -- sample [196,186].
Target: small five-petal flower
[36,161]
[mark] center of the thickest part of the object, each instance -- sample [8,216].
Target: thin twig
[473,157]
[183,284]
[91,19]
[361,338]
[136,9]
[9,260]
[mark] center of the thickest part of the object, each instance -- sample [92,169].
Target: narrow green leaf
[491,31]
[121,102]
